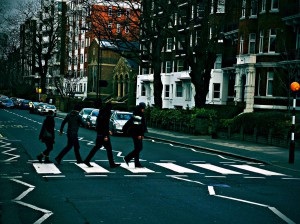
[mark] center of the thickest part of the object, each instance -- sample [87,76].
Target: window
[241,44]
[274,4]
[216,91]
[221,6]
[261,42]
[243,8]
[270,84]
[167,90]
[119,13]
[81,58]
[110,11]
[118,28]
[272,40]
[253,8]
[128,13]
[252,37]
[179,65]
[169,44]
[168,67]
[126,29]
[218,62]
[263,5]
[143,90]
[178,89]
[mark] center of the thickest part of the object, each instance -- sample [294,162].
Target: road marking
[132,168]
[274,210]
[95,169]
[46,168]
[216,169]
[176,168]
[257,170]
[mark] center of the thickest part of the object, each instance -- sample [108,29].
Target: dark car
[117,121]
[25,104]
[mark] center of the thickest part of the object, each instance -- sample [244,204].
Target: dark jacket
[139,126]
[48,125]
[74,121]
[102,122]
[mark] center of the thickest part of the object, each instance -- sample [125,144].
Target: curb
[210,150]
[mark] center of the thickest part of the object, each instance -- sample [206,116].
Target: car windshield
[123,116]
[50,106]
[87,111]
[95,113]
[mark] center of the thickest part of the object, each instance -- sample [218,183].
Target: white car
[45,108]
[117,121]
[85,112]
[91,118]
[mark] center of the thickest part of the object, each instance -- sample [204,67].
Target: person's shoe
[40,157]
[126,161]
[79,161]
[87,163]
[57,160]
[138,165]
[47,160]
[115,165]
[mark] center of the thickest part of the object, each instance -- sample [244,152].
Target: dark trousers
[99,143]
[138,146]
[49,147]
[72,142]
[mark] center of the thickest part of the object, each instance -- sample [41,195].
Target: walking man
[137,131]
[47,136]
[103,136]
[74,121]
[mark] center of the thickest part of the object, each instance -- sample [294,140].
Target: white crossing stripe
[257,170]
[176,168]
[132,168]
[46,168]
[216,169]
[94,169]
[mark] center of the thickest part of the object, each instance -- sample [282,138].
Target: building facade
[256,60]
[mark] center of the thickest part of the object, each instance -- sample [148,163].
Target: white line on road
[257,170]
[216,169]
[132,168]
[176,168]
[274,210]
[46,168]
[95,169]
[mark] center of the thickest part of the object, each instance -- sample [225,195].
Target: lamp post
[295,87]
[99,67]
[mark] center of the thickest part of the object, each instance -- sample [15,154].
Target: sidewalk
[249,151]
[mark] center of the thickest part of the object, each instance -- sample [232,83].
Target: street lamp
[295,87]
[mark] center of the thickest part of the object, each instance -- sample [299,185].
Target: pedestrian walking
[47,136]
[137,131]
[103,136]
[74,121]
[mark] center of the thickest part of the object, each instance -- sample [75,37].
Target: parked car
[33,107]
[85,112]
[25,104]
[45,108]
[91,118]
[117,121]
[7,103]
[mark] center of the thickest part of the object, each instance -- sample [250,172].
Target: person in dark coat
[47,136]
[74,120]
[103,136]
[137,132]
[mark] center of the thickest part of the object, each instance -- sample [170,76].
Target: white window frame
[243,9]
[180,65]
[272,38]
[263,6]
[167,91]
[270,79]
[254,8]
[274,5]
[179,89]
[252,43]
[168,66]
[216,91]
[169,46]
[241,49]
[261,42]
[109,11]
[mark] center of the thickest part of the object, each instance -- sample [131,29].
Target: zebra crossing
[189,168]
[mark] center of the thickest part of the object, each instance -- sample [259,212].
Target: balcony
[246,59]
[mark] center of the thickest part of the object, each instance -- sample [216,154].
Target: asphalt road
[177,185]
